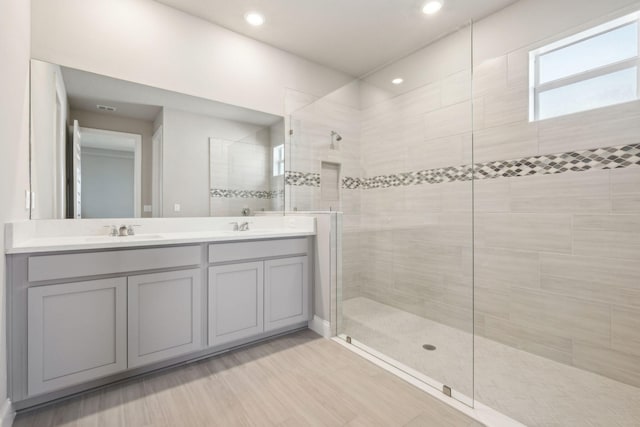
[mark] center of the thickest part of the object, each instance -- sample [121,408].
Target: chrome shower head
[337,135]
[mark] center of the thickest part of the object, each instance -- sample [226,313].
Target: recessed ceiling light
[397,81]
[432,7]
[254,18]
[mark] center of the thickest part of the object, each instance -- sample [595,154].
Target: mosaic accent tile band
[576,161]
[244,194]
[428,176]
[300,179]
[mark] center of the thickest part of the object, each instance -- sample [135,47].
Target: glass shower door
[403,155]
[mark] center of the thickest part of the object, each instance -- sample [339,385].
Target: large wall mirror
[108,148]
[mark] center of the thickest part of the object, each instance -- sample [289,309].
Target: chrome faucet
[242,226]
[122,231]
[113,232]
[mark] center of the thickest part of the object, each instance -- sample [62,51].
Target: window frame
[536,88]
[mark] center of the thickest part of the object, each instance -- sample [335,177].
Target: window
[593,69]
[278,160]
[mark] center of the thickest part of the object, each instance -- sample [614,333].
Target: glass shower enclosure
[396,159]
[489,185]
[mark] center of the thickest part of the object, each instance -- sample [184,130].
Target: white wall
[185,161]
[14,140]
[150,43]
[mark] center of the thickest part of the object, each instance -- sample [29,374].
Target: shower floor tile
[531,389]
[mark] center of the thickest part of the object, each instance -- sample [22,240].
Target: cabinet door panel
[164,315]
[235,302]
[286,292]
[76,333]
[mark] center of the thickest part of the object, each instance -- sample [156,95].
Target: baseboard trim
[320,326]
[7,414]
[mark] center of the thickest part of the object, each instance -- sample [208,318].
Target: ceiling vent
[105,108]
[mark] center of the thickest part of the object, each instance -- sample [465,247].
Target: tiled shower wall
[557,269]
[554,256]
[416,239]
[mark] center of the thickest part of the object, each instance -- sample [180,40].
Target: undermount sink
[98,239]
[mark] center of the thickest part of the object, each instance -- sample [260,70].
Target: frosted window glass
[278,160]
[604,49]
[598,92]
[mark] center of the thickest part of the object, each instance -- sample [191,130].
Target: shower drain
[429,347]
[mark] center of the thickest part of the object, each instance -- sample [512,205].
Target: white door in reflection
[111,164]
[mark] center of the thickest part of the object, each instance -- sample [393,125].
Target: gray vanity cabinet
[76,333]
[164,315]
[236,296]
[286,289]
[79,320]
[246,299]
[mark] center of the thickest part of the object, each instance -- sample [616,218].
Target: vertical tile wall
[557,269]
[417,239]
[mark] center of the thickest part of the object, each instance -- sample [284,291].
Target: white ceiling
[353,36]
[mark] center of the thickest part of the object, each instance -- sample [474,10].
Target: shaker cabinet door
[164,316]
[235,302]
[76,333]
[286,290]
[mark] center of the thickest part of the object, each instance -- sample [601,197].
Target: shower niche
[330,182]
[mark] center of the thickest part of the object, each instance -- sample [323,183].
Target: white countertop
[74,235]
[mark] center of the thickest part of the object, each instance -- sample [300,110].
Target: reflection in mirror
[110,176]
[247,175]
[108,148]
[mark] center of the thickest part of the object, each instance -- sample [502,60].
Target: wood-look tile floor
[297,380]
